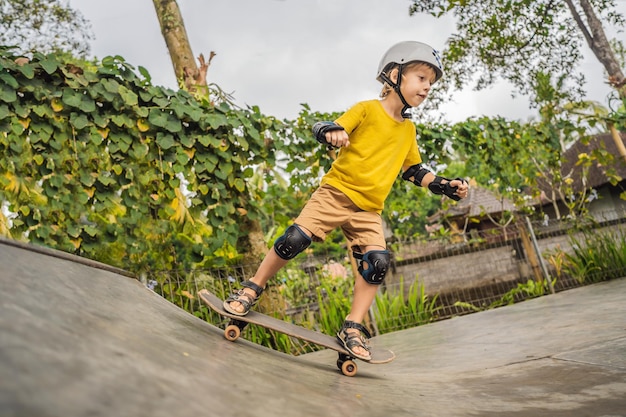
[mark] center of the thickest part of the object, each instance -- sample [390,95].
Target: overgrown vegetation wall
[98,162]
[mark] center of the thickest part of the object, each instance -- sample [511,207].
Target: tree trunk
[190,76]
[193,78]
[254,243]
[599,44]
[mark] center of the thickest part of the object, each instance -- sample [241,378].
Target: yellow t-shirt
[379,147]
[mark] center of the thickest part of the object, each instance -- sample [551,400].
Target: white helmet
[409,51]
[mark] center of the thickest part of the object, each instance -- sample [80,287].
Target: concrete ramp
[81,339]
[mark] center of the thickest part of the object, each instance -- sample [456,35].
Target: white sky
[277,54]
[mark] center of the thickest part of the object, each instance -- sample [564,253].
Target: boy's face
[416,83]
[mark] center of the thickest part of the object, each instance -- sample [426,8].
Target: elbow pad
[321,128]
[417,172]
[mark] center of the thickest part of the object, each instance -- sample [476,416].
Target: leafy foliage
[44,26]
[521,160]
[98,162]
[515,40]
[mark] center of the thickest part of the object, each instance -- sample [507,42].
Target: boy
[377,141]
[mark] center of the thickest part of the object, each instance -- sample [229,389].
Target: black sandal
[244,298]
[350,340]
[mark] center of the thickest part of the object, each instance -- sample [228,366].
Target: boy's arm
[455,189]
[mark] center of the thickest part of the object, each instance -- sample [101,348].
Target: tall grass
[530,289]
[397,310]
[596,256]
[334,303]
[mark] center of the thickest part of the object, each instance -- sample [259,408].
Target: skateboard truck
[233,329]
[346,364]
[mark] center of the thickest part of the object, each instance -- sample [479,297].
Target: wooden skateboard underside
[379,356]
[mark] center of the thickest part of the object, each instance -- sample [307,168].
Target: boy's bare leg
[270,265]
[363,297]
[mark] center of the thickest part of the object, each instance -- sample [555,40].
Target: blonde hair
[387,89]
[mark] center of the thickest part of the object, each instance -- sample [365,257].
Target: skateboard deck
[345,362]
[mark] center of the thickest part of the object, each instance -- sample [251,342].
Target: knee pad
[373,265]
[291,243]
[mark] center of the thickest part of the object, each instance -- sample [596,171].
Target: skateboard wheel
[232,332]
[348,368]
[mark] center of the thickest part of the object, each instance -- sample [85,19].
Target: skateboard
[345,362]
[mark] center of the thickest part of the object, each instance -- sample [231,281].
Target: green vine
[98,162]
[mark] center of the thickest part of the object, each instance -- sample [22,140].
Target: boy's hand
[338,138]
[330,133]
[455,189]
[462,187]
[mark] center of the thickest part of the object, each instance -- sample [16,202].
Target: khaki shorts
[329,208]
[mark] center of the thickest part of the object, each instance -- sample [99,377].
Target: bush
[596,257]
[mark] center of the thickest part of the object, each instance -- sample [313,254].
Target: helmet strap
[396,87]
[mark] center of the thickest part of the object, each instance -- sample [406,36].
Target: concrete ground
[78,339]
